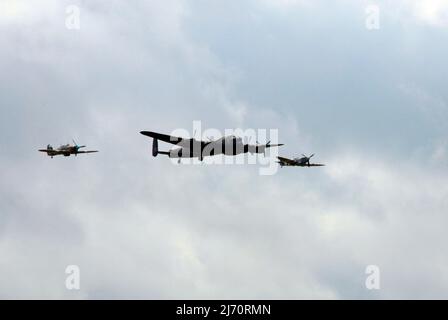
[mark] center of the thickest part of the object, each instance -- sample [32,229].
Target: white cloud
[25,13]
[432,12]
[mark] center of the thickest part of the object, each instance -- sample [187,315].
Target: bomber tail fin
[155,149]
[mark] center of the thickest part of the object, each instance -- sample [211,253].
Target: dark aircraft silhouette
[304,161]
[65,150]
[192,148]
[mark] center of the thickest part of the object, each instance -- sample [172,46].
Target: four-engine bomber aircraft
[298,162]
[192,148]
[65,150]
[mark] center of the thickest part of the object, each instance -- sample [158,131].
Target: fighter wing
[51,151]
[91,151]
[287,161]
[181,142]
[315,165]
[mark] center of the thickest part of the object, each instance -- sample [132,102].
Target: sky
[370,102]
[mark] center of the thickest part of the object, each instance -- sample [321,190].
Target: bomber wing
[181,142]
[287,161]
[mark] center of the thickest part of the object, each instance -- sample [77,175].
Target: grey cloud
[140,227]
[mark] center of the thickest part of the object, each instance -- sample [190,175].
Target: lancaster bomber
[65,150]
[192,148]
[304,161]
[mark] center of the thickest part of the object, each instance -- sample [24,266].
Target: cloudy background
[372,105]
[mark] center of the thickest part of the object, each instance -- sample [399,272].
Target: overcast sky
[371,103]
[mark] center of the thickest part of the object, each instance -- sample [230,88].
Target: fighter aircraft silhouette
[66,150]
[192,148]
[304,161]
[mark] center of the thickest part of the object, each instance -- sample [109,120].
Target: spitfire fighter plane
[192,148]
[298,162]
[66,150]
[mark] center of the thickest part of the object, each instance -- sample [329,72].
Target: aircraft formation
[192,148]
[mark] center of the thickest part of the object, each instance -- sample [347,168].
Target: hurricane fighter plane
[192,148]
[304,161]
[65,150]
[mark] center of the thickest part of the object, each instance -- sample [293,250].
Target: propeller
[264,146]
[308,158]
[268,144]
[76,145]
